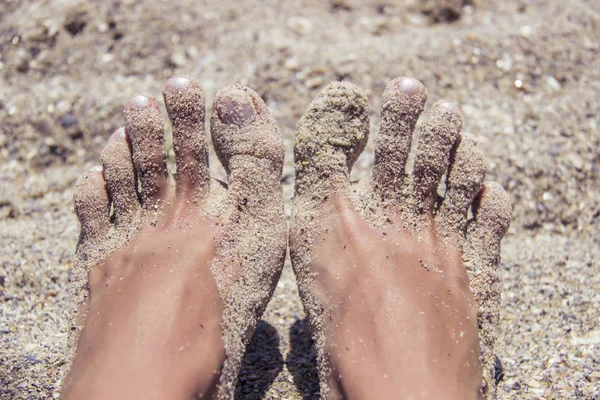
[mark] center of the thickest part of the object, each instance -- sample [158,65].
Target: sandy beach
[525,75]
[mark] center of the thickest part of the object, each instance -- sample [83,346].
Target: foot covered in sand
[180,267]
[396,280]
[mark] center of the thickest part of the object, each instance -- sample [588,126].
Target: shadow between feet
[302,360]
[261,364]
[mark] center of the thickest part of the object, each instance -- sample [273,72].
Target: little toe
[143,126]
[465,177]
[492,210]
[186,106]
[92,205]
[329,138]
[120,178]
[492,213]
[438,135]
[402,103]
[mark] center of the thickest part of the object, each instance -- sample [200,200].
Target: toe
[143,126]
[184,99]
[252,243]
[92,205]
[465,176]
[402,103]
[329,138]
[120,178]
[492,213]
[247,141]
[439,133]
[243,129]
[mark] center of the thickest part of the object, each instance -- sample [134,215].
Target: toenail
[178,83]
[237,109]
[96,168]
[447,107]
[410,85]
[118,134]
[139,101]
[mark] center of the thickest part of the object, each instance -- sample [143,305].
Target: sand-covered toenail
[236,108]
[120,178]
[492,208]
[91,204]
[118,134]
[448,108]
[139,101]
[410,85]
[178,83]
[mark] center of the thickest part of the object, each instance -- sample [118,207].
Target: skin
[400,319]
[379,262]
[173,271]
[157,338]
[153,326]
[395,329]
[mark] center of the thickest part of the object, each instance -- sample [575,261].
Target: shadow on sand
[261,364]
[302,360]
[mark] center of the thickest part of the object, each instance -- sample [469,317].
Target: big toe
[329,138]
[247,142]
[252,242]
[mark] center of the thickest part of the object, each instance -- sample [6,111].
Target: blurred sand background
[525,73]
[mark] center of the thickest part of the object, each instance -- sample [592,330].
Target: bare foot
[390,274]
[180,270]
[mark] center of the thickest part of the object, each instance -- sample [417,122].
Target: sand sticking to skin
[465,177]
[144,127]
[481,256]
[399,114]
[250,216]
[120,178]
[329,138]
[527,88]
[339,131]
[254,232]
[187,112]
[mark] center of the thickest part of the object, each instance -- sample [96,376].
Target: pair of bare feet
[173,272]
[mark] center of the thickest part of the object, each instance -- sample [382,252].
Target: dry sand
[526,76]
